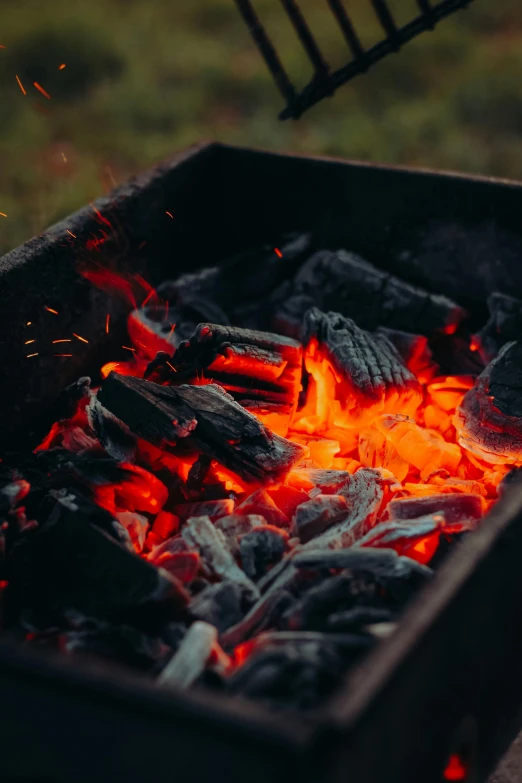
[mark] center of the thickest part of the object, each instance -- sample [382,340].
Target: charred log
[205,416]
[489,419]
[372,376]
[346,284]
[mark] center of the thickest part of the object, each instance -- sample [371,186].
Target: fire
[406,432]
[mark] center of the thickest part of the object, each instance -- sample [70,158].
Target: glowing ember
[3,214]
[169,214]
[41,90]
[78,337]
[71,233]
[22,88]
[455,770]
[51,310]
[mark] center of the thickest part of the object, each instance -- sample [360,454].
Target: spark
[3,214]
[29,323]
[61,67]
[50,310]
[63,354]
[171,367]
[171,330]
[107,320]
[62,341]
[20,84]
[169,214]
[28,342]
[128,349]
[29,355]
[42,91]
[278,252]
[2,46]
[80,338]
[103,219]
[71,233]
[64,158]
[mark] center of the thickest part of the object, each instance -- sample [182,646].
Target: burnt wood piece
[200,534]
[236,525]
[184,566]
[250,365]
[69,566]
[260,549]
[298,674]
[222,605]
[240,282]
[116,438]
[191,657]
[364,493]
[373,376]
[316,515]
[504,325]
[345,283]
[207,417]
[383,563]
[489,418]
[402,536]
[455,507]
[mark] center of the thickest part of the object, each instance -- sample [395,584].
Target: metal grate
[325,81]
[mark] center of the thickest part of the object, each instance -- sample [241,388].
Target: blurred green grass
[143,79]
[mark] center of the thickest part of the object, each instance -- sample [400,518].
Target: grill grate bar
[324,81]
[385,17]
[347,28]
[305,36]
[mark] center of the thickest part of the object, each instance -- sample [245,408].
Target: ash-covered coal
[250,502]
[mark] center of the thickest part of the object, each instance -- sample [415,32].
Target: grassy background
[144,78]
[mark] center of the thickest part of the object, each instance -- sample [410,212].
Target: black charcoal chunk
[200,534]
[294,674]
[236,525]
[253,366]
[345,283]
[455,507]
[504,325]
[207,417]
[115,437]
[489,418]
[314,516]
[239,283]
[260,549]
[364,493]
[222,605]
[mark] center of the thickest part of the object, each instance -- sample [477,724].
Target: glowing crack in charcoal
[251,497]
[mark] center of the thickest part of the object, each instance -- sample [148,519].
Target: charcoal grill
[449,681]
[324,81]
